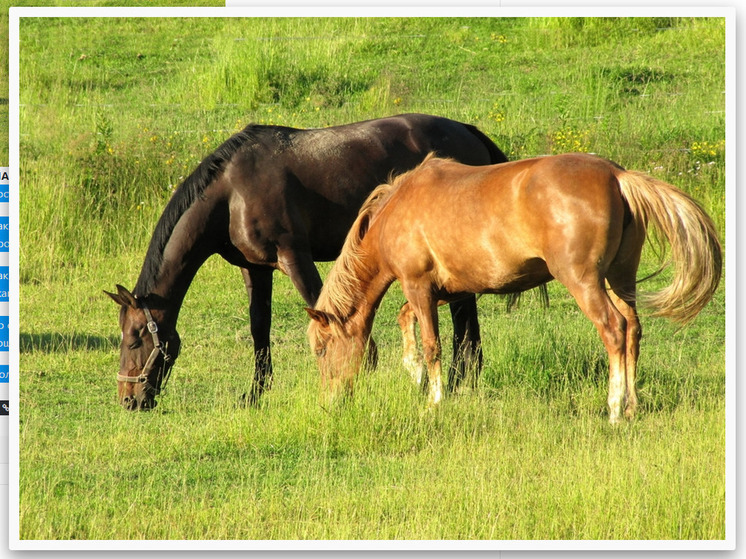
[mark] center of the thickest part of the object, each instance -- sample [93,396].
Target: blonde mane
[342,286]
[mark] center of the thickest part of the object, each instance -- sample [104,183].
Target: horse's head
[339,350]
[150,345]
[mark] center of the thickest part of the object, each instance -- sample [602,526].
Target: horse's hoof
[248,400]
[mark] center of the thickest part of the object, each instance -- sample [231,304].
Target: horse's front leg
[426,308]
[258,281]
[300,268]
[411,359]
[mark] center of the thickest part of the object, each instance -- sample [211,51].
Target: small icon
[4,407]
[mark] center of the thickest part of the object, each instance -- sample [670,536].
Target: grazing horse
[445,230]
[274,198]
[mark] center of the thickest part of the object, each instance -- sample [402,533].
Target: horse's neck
[368,305]
[357,301]
[172,263]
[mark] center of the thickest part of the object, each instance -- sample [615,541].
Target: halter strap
[158,347]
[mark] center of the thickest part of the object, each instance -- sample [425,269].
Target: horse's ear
[320,316]
[114,297]
[363,226]
[123,297]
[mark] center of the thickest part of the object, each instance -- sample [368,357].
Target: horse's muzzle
[134,403]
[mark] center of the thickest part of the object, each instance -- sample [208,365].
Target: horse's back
[391,145]
[534,185]
[449,138]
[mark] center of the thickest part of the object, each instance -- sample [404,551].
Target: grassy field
[114,113]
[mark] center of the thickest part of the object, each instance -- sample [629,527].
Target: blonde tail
[696,250]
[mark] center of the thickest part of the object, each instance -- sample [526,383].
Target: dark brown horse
[274,198]
[445,229]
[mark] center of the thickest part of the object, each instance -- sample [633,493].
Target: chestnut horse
[275,198]
[445,230]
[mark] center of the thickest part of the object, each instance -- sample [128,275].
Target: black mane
[186,194]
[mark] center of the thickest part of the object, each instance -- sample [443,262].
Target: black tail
[496,155]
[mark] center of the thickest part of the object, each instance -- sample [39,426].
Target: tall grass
[116,112]
[530,455]
[137,109]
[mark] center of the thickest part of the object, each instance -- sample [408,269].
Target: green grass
[530,455]
[114,113]
[195,81]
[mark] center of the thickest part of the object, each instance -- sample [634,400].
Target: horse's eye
[320,352]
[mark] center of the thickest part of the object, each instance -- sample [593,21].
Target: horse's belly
[495,276]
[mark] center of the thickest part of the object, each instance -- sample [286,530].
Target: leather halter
[158,347]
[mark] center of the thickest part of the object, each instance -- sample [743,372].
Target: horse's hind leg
[612,327]
[258,280]
[622,277]
[624,300]
[467,343]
